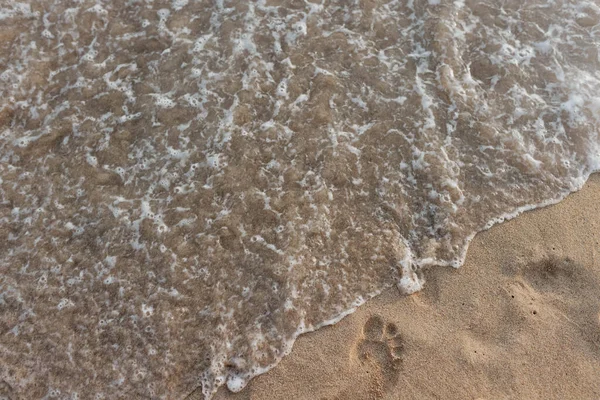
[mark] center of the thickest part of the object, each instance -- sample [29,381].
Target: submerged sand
[519,320]
[186,186]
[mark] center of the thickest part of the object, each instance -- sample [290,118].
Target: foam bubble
[194,178]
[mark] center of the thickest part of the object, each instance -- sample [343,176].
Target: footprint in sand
[571,291]
[381,347]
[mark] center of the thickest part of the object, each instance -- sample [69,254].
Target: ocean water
[186,186]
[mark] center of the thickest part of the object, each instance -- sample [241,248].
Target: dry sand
[519,320]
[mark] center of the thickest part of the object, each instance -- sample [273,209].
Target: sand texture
[519,320]
[188,185]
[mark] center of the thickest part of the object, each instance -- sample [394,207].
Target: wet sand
[186,186]
[519,320]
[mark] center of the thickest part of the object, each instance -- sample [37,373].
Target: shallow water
[186,186]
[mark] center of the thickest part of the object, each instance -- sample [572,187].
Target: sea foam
[186,186]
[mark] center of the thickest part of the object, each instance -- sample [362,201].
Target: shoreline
[520,296]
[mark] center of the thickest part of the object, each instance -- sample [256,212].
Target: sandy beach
[188,186]
[519,320]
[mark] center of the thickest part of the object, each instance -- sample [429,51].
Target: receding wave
[186,186]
